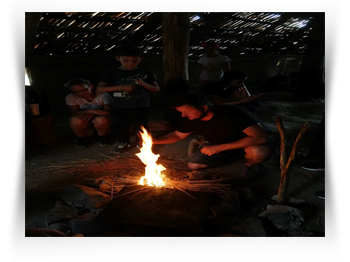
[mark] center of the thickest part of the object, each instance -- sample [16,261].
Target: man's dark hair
[77,81]
[128,50]
[195,99]
[233,75]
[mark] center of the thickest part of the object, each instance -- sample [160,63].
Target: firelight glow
[153,172]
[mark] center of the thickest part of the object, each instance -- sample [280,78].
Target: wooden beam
[211,23]
[31,24]
[154,21]
[70,29]
[259,37]
[176,36]
[94,18]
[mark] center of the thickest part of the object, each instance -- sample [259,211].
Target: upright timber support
[176,38]
[31,25]
[32,21]
[311,78]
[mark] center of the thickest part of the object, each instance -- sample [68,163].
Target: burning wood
[153,171]
[153,176]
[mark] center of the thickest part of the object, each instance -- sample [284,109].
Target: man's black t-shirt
[226,125]
[139,97]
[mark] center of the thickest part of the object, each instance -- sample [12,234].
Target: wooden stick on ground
[283,158]
[284,173]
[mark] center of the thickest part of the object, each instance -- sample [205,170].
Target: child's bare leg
[102,124]
[79,126]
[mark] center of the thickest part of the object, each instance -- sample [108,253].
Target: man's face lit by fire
[191,112]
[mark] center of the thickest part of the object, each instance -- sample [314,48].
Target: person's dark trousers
[317,149]
[127,117]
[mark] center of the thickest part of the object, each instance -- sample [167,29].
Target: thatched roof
[242,33]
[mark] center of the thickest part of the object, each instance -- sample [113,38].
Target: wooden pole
[31,24]
[283,157]
[176,37]
[310,83]
[285,172]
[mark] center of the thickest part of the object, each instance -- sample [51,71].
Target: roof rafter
[93,19]
[259,37]
[212,22]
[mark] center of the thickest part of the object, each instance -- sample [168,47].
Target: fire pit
[160,206]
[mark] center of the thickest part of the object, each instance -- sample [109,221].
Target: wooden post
[285,171]
[310,82]
[31,24]
[283,157]
[176,37]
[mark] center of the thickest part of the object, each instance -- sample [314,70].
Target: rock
[195,175]
[245,195]
[59,212]
[62,227]
[77,235]
[87,225]
[82,196]
[283,217]
[227,205]
[296,201]
[106,185]
[291,200]
[251,227]
[229,235]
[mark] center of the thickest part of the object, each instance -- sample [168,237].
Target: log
[285,172]
[283,157]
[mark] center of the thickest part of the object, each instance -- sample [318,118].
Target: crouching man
[88,109]
[229,131]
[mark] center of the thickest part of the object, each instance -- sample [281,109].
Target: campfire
[126,173]
[153,171]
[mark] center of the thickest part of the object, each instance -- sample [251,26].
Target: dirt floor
[302,185]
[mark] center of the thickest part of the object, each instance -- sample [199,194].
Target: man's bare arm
[171,138]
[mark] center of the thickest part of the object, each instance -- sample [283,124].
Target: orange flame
[153,172]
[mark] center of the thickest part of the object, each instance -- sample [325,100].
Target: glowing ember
[153,172]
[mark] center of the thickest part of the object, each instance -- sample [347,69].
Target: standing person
[129,86]
[230,90]
[212,65]
[89,109]
[315,159]
[229,132]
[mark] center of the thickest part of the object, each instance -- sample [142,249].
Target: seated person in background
[230,90]
[89,109]
[229,132]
